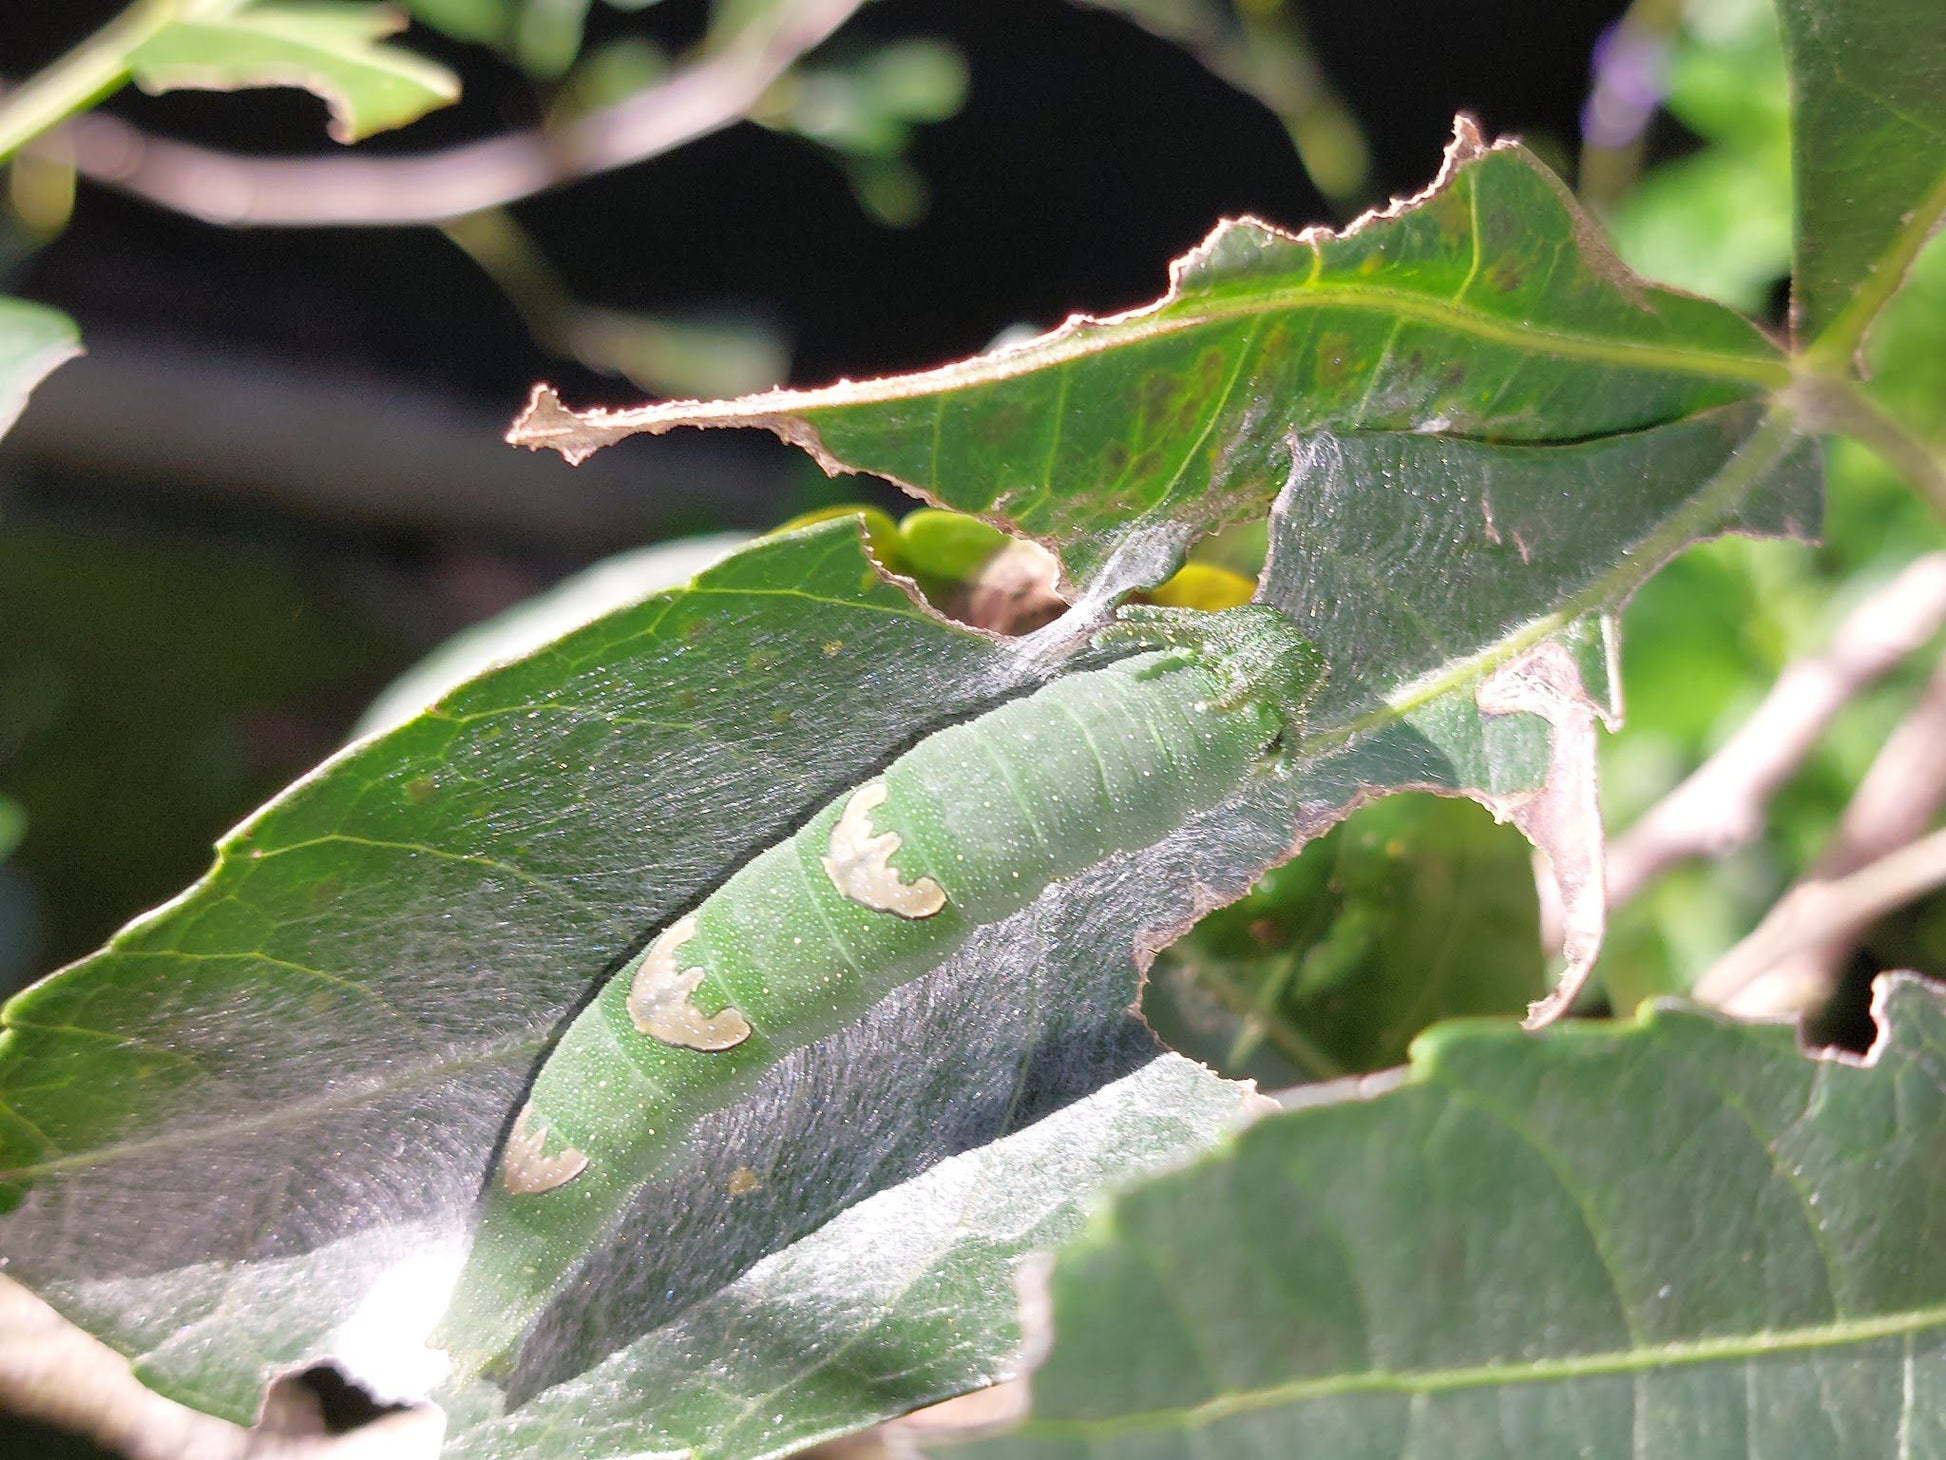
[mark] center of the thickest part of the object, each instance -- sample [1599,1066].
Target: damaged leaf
[1474,435]
[1318,973]
[33,341]
[332,50]
[312,1056]
[1464,1260]
[1487,307]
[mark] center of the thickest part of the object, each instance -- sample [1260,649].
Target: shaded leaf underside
[291,1081]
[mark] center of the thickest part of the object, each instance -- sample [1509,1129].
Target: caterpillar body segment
[878,888]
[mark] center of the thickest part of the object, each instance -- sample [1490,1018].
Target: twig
[1897,800]
[1833,403]
[1721,805]
[178,423]
[1819,912]
[1900,793]
[1630,64]
[704,96]
[81,77]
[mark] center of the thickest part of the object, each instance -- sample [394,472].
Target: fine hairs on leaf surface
[1710,1287]
[252,1132]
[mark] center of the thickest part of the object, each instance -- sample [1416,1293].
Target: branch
[93,69]
[1894,804]
[219,187]
[1721,805]
[174,422]
[1832,403]
[1816,912]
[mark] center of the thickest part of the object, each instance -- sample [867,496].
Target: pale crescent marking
[659,999]
[524,1170]
[859,862]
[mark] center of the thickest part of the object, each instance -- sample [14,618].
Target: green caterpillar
[963,830]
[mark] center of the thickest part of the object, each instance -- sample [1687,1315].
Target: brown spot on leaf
[1563,817]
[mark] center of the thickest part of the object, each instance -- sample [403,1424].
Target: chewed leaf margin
[1485,306]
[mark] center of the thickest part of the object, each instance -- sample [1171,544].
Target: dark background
[193,611]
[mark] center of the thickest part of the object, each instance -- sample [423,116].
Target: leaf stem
[1839,344]
[1817,912]
[86,74]
[1292,1043]
[1830,402]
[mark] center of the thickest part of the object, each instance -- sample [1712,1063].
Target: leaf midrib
[1092,337]
[446,1065]
[1810,1338]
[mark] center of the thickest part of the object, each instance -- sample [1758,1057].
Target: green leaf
[1414,910]
[1481,1261]
[903,1299]
[611,584]
[1869,150]
[330,50]
[33,341]
[305,1063]
[1485,308]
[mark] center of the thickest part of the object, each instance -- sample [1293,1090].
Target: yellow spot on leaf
[743,1181]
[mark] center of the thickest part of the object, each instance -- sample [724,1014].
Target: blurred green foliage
[149,688]
[1414,910]
[543,37]
[865,111]
[1719,220]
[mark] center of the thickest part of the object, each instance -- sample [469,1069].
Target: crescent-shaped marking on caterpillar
[859,862]
[660,1005]
[524,1170]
